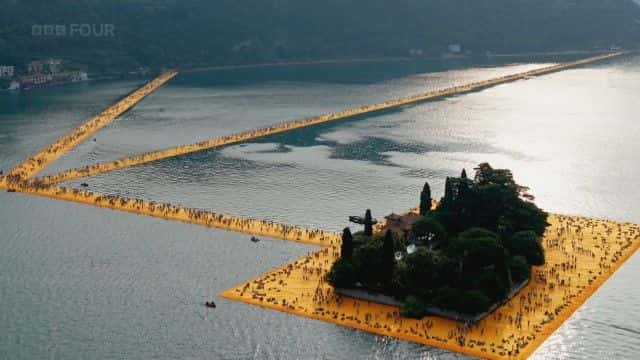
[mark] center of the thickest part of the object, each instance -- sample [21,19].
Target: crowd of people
[580,252]
[195,216]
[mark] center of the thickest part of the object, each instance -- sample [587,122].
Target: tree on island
[368,223]
[493,200]
[527,244]
[428,231]
[464,256]
[346,248]
[342,274]
[388,259]
[425,199]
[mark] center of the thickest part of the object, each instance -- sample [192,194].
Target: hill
[205,32]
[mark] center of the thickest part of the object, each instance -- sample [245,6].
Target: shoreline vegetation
[93,77]
[445,56]
[302,123]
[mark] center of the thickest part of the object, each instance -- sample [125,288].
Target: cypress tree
[346,249]
[448,191]
[368,223]
[425,199]
[388,259]
[464,174]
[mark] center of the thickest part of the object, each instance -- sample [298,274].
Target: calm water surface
[83,282]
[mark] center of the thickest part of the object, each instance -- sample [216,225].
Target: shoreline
[307,122]
[374,59]
[188,70]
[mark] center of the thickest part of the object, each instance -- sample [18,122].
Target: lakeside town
[37,73]
[48,72]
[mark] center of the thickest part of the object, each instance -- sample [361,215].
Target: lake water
[83,282]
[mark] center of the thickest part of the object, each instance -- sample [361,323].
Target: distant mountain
[198,32]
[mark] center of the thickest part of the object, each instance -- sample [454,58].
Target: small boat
[254,239]
[84,185]
[210,304]
[94,139]
[11,190]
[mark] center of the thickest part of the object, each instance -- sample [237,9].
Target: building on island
[401,224]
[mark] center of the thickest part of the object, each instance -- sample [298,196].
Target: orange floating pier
[42,159]
[312,121]
[581,255]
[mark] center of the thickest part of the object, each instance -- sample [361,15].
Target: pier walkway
[42,159]
[188,215]
[302,123]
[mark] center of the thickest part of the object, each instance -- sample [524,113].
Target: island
[460,259]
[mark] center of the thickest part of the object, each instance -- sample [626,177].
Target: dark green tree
[388,259]
[463,175]
[493,200]
[413,307]
[342,274]
[491,284]
[520,269]
[429,231]
[478,248]
[368,223]
[425,199]
[473,302]
[527,244]
[346,248]
[421,271]
[447,297]
[367,260]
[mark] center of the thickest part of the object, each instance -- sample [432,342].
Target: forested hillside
[198,32]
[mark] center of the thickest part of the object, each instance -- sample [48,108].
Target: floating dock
[581,255]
